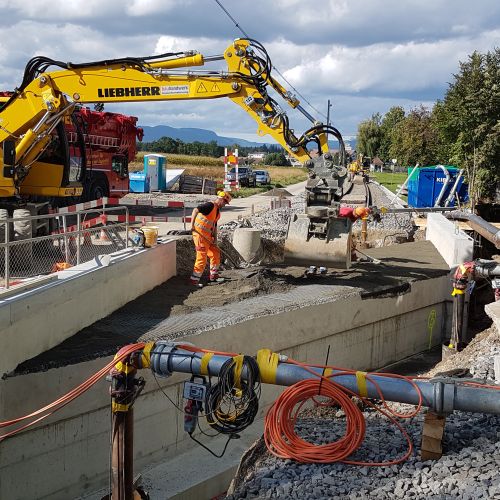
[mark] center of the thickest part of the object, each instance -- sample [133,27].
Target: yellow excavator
[36,159]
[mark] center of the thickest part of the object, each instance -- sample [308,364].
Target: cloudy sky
[363,55]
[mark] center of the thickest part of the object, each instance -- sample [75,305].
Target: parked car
[262,177]
[246,176]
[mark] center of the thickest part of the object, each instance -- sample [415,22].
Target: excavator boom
[29,118]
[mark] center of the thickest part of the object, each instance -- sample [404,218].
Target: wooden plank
[422,223]
[432,436]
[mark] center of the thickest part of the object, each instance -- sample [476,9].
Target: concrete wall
[69,454]
[79,297]
[453,244]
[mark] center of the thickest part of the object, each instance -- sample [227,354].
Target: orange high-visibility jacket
[206,224]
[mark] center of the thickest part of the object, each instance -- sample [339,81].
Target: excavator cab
[59,171]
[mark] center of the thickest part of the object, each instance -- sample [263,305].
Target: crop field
[213,168]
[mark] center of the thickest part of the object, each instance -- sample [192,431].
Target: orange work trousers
[205,249]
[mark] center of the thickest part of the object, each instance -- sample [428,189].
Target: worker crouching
[204,228]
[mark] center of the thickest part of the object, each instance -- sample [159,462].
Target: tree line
[462,129]
[197,148]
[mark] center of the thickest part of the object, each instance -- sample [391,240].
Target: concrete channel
[370,316]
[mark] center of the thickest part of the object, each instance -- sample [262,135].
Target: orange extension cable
[51,408]
[279,431]
[282,440]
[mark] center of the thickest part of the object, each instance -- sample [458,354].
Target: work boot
[195,283]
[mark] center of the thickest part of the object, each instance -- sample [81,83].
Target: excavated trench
[176,308]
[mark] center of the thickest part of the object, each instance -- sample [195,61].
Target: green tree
[389,123]
[276,159]
[468,120]
[369,136]
[415,139]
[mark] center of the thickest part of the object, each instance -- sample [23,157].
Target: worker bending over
[204,228]
[354,213]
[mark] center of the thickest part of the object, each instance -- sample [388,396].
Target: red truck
[109,145]
[103,143]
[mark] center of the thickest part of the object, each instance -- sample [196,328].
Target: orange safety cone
[103,235]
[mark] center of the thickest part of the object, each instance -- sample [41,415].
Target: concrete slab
[150,317]
[452,243]
[40,318]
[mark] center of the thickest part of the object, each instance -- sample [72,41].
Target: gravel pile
[393,228]
[468,469]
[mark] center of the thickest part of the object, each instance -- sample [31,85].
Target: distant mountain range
[192,135]
[203,135]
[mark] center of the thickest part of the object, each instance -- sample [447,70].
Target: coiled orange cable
[279,431]
[280,435]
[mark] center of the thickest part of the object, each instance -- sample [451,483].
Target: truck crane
[37,109]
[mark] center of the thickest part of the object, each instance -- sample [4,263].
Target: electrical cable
[229,438]
[282,440]
[64,400]
[232,403]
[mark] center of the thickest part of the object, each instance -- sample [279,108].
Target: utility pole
[328,113]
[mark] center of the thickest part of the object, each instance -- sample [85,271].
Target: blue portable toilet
[155,167]
[138,182]
[428,184]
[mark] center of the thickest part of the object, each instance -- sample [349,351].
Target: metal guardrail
[70,239]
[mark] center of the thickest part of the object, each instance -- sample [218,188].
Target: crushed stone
[468,468]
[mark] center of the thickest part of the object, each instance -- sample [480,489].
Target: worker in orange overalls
[204,228]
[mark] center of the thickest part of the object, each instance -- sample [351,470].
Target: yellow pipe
[25,143]
[181,62]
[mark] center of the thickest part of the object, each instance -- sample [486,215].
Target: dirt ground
[239,284]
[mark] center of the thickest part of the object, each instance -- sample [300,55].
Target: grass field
[213,168]
[388,179]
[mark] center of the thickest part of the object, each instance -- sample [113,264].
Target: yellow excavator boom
[28,118]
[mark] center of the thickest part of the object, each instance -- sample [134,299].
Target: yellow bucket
[150,235]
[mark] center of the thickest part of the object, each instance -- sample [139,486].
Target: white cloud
[147,7]
[384,68]
[60,9]
[206,46]
[365,55]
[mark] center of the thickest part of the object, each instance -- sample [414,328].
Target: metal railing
[70,239]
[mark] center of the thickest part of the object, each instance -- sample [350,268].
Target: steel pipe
[445,185]
[454,188]
[487,268]
[484,228]
[442,395]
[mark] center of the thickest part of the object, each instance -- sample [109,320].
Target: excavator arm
[38,108]
[28,119]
